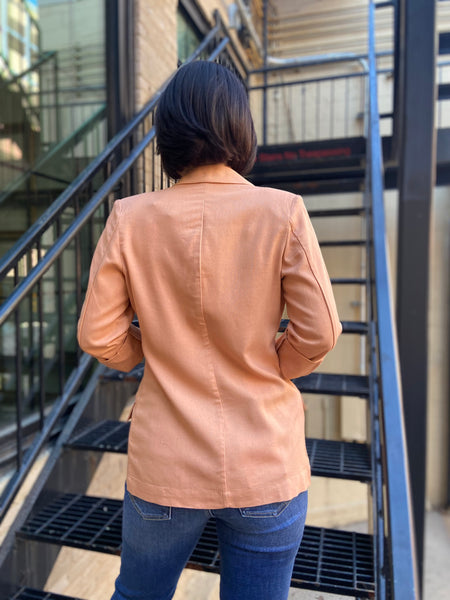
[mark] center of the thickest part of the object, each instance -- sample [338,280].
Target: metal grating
[328,560]
[345,460]
[338,243]
[135,374]
[334,385]
[105,436]
[338,212]
[32,594]
[347,326]
[348,281]
[355,327]
[79,521]
[339,562]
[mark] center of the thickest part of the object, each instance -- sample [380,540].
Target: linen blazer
[208,266]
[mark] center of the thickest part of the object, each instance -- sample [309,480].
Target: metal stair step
[315,383]
[328,560]
[338,212]
[339,460]
[343,460]
[348,281]
[339,243]
[104,436]
[355,327]
[347,326]
[27,593]
[334,384]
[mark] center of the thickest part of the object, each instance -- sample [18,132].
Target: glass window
[189,37]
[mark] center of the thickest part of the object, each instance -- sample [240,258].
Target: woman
[218,427]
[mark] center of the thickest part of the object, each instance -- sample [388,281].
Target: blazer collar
[213,174]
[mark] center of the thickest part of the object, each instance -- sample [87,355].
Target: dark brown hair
[203,117]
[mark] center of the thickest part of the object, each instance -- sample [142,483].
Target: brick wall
[156,45]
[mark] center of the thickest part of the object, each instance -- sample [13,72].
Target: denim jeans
[257,545]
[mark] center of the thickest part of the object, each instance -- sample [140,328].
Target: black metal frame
[387,419]
[417,172]
[395,571]
[394,551]
[120,61]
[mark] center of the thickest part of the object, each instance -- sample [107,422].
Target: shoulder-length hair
[203,117]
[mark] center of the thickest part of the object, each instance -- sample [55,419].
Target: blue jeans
[257,545]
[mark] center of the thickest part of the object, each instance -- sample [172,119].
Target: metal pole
[265,9]
[417,166]
[119,63]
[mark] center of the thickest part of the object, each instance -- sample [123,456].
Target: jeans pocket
[265,510]
[150,511]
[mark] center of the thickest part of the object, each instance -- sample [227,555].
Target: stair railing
[397,572]
[74,222]
[54,154]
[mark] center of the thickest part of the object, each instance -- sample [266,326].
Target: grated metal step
[338,243]
[334,385]
[328,560]
[104,436]
[343,460]
[348,281]
[355,327]
[315,383]
[347,326]
[340,460]
[26,593]
[337,212]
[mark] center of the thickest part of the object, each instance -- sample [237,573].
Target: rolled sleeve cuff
[129,355]
[292,362]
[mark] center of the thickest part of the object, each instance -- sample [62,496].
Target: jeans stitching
[150,517]
[261,514]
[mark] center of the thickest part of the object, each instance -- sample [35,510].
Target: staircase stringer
[17,560]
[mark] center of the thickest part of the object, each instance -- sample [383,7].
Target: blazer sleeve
[104,329]
[314,324]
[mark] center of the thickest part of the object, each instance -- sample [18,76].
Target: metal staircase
[379,564]
[51,137]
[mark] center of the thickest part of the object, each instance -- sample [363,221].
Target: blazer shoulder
[280,200]
[132,203]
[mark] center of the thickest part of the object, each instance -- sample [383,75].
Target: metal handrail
[44,58]
[20,248]
[34,277]
[76,378]
[55,151]
[402,554]
[317,60]
[22,289]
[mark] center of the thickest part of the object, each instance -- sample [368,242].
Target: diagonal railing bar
[134,143]
[403,580]
[44,58]
[49,156]
[69,234]
[59,408]
[13,256]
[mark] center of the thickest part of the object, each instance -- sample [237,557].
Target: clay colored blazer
[208,265]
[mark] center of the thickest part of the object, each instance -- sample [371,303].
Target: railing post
[417,168]
[265,44]
[403,580]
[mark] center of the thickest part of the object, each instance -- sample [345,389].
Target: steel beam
[415,107]
[120,62]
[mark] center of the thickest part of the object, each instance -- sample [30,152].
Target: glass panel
[53,123]
[188,36]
